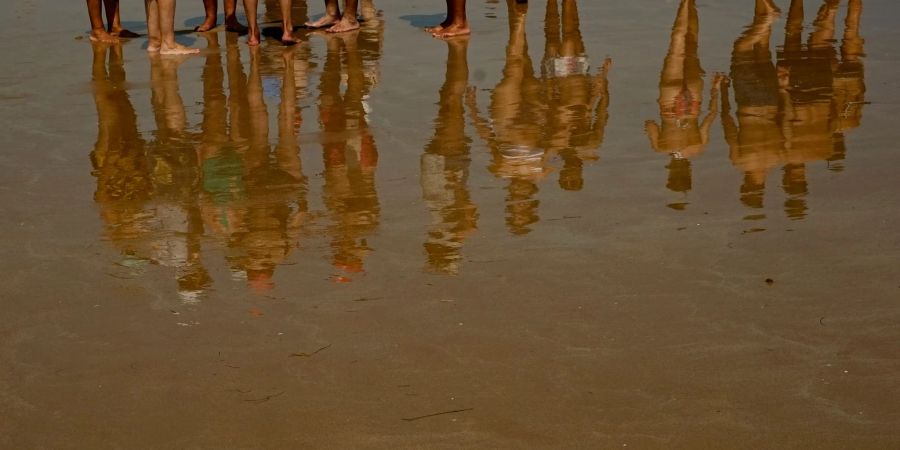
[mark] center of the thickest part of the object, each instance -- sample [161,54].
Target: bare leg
[331,17]
[446,23]
[210,7]
[348,20]
[231,22]
[98,32]
[457,23]
[287,22]
[154,41]
[114,20]
[166,16]
[253,25]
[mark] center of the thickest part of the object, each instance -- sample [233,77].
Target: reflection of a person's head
[521,206]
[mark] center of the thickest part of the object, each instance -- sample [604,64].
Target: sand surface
[553,234]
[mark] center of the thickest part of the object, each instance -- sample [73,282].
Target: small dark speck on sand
[770,281]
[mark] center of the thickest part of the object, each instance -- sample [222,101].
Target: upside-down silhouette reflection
[349,151]
[797,111]
[533,121]
[681,133]
[445,168]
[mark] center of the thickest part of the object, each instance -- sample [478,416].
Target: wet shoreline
[309,245]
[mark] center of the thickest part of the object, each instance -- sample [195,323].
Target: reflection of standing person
[349,150]
[807,78]
[174,224]
[145,191]
[119,157]
[797,111]
[807,75]
[275,204]
[849,83]
[445,168]
[578,102]
[518,113]
[681,133]
[534,119]
[755,141]
[223,189]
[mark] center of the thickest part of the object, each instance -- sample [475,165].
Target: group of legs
[161,21]
[338,20]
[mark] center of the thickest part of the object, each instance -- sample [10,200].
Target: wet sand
[385,240]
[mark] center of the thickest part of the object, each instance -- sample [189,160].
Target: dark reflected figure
[681,133]
[756,142]
[221,153]
[145,190]
[276,187]
[578,102]
[119,158]
[795,112]
[849,84]
[519,116]
[445,168]
[813,121]
[349,151]
[534,120]
[175,180]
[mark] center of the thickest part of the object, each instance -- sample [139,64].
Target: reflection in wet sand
[755,141]
[795,112]
[254,193]
[445,168]
[159,199]
[349,151]
[807,74]
[533,120]
[145,189]
[681,133]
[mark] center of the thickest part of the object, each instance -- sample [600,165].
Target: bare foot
[452,30]
[123,33]
[253,37]
[346,24]
[324,21]
[177,49]
[207,25]
[153,46]
[287,38]
[232,25]
[101,35]
[437,28]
